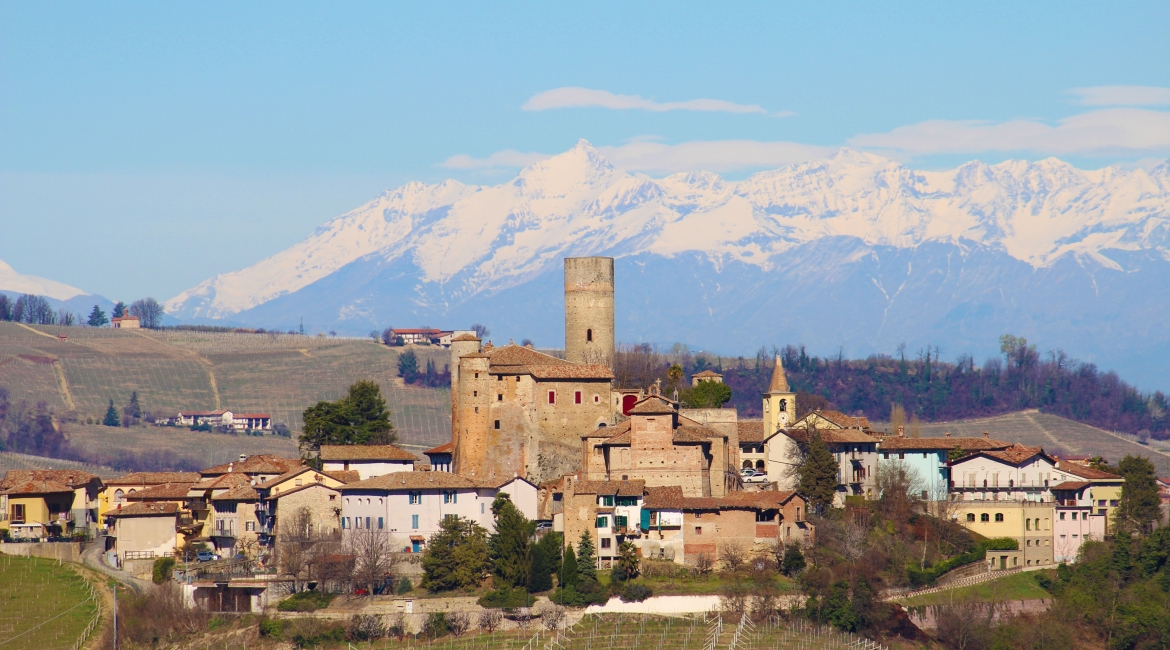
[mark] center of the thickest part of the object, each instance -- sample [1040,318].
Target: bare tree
[638,366]
[901,488]
[855,535]
[294,545]
[733,555]
[704,563]
[966,625]
[373,557]
[148,311]
[459,623]
[490,620]
[552,617]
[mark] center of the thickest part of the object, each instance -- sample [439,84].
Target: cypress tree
[510,548]
[540,571]
[97,317]
[111,419]
[818,475]
[568,573]
[586,558]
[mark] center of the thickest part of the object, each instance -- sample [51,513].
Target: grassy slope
[9,460]
[33,590]
[280,374]
[1018,586]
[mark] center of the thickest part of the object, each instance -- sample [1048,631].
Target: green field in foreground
[42,604]
[1018,586]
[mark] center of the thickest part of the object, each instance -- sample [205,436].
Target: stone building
[589,330]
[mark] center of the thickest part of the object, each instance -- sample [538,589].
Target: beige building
[1028,522]
[367,460]
[126,322]
[44,502]
[118,489]
[143,530]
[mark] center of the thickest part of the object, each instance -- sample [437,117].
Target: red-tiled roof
[779,382]
[154,478]
[445,448]
[608,432]
[705,374]
[653,405]
[300,488]
[1016,454]
[70,478]
[632,488]
[1086,472]
[413,481]
[900,443]
[518,355]
[671,498]
[844,421]
[1071,485]
[365,452]
[221,482]
[163,492]
[622,439]
[37,487]
[243,492]
[831,436]
[693,434]
[582,371]
[750,430]
[257,464]
[465,337]
[159,509]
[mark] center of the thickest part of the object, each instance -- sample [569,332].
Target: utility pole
[115,616]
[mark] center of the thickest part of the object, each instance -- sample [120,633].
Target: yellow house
[1028,522]
[38,504]
[1104,491]
[117,490]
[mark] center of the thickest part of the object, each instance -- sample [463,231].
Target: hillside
[172,370]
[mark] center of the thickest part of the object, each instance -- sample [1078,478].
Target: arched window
[589,336]
[759,464]
[984,517]
[747,464]
[999,516]
[970,516]
[1027,524]
[119,496]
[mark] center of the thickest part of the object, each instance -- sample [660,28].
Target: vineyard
[10,460]
[280,374]
[44,604]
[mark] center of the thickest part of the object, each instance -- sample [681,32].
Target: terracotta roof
[1086,472]
[779,383]
[500,482]
[446,448]
[163,508]
[831,436]
[653,405]
[582,371]
[1071,485]
[695,434]
[257,464]
[174,491]
[1015,454]
[239,493]
[844,421]
[518,355]
[413,481]
[37,487]
[221,482]
[300,488]
[967,444]
[608,432]
[155,478]
[622,439]
[69,477]
[705,374]
[365,452]
[294,472]
[345,475]
[632,488]
[750,430]
[465,337]
[671,498]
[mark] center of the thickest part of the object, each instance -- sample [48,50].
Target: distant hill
[1055,433]
[173,370]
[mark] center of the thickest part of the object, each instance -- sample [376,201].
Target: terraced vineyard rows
[10,460]
[44,605]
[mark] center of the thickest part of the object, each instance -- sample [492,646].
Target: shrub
[505,598]
[365,627]
[636,593]
[923,577]
[310,632]
[272,628]
[163,568]
[404,585]
[305,601]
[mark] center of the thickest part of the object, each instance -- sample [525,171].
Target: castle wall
[654,458]
[589,328]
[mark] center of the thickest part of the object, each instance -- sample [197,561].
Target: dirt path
[91,557]
[198,357]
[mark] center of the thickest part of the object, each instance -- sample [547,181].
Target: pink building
[1074,522]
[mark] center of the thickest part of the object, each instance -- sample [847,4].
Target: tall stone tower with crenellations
[589,331]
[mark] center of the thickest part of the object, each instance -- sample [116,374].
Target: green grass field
[1018,586]
[42,604]
[171,371]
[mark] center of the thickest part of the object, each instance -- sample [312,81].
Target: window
[552,397]
[415,498]
[250,526]
[119,496]
[379,523]
[497,425]
[589,336]
[602,522]
[606,501]
[984,517]
[332,497]
[450,496]
[414,522]
[620,521]
[698,515]
[1027,524]
[499,397]
[1062,518]
[901,455]
[1029,542]
[1101,502]
[577,397]
[627,501]
[481,508]
[477,375]
[367,522]
[1074,516]
[345,522]
[764,516]
[886,456]
[606,542]
[698,530]
[1113,503]
[970,516]
[475,393]
[798,513]
[999,516]
[597,400]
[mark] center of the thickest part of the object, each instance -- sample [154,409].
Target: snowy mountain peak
[478,240]
[11,280]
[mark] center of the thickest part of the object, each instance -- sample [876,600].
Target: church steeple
[779,401]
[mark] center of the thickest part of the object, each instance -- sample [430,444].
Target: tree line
[36,310]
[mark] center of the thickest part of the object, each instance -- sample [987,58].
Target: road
[92,557]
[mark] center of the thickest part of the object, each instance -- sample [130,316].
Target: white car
[753,476]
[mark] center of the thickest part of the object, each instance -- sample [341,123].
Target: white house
[367,460]
[1018,473]
[411,505]
[226,418]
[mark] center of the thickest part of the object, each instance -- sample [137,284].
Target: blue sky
[147,146]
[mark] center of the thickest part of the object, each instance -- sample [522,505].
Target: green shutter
[645,519]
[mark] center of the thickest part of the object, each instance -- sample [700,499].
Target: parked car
[753,476]
[206,556]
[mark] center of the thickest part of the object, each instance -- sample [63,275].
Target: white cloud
[1114,131]
[643,155]
[508,158]
[573,97]
[1122,96]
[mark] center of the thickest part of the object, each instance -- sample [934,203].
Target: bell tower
[589,336]
[779,401]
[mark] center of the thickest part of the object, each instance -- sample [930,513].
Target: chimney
[229,467]
[901,431]
[985,436]
[243,457]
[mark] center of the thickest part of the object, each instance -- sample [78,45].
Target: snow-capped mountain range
[853,250]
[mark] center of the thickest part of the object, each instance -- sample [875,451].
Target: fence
[961,582]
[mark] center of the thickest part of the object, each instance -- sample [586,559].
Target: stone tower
[589,310]
[461,346]
[779,401]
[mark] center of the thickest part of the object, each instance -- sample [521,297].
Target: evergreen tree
[628,564]
[111,419]
[568,574]
[707,395]
[119,309]
[97,317]
[1140,509]
[793,561]
[818,474]
[586,558]
[509,545]
[456,557]
[132,413]
[540,570]
[359,418]
[408,367]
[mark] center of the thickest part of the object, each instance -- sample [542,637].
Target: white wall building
[367,460]
[1018,473]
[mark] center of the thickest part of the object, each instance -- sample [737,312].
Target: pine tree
[1140,504]
[510,548]
[456,556]
[568,573]
[793,561]
[818,475]
[119,309]
[586,558]
[97,317]
[133,411]
[540,571]
[111,419]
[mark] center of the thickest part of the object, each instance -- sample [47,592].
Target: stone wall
[589,328]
